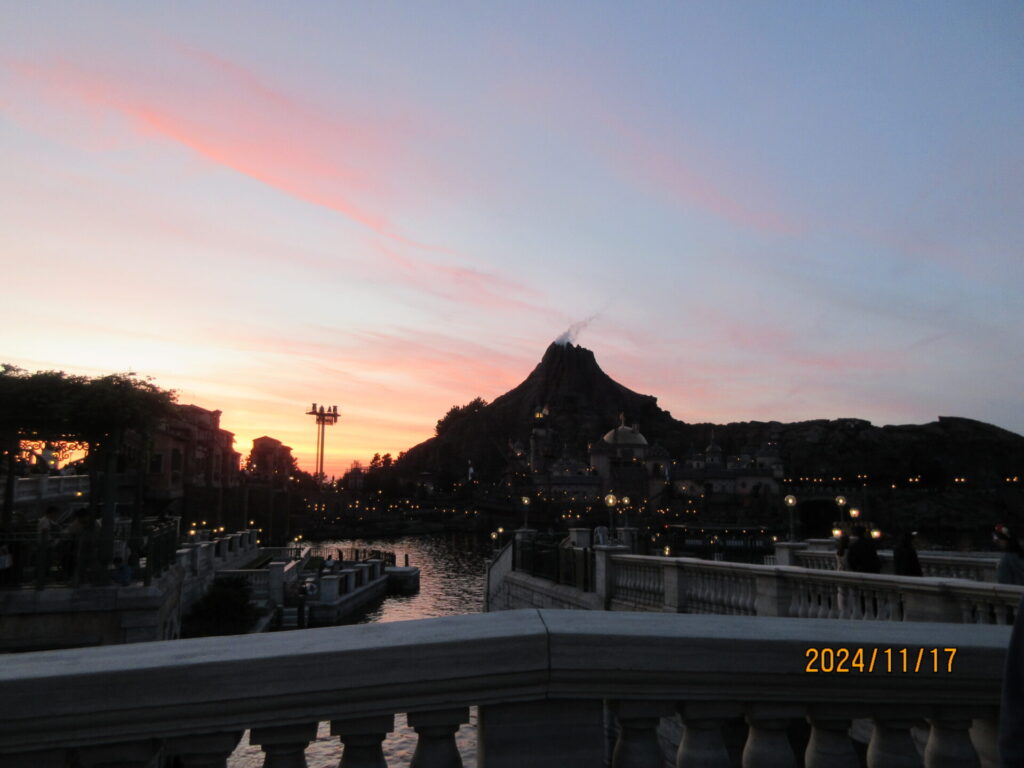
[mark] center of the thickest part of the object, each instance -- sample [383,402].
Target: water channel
[451,582]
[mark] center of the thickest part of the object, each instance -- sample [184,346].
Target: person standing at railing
[1011,565]
[904,557]
[843,552]
[863,557]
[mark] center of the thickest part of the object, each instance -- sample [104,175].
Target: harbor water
[451,582]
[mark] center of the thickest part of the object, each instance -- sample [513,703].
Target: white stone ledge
[208,685]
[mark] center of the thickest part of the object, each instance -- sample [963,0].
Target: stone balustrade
[820,554]
[544,682]
[689,585]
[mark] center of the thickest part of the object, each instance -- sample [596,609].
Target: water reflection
[451,576]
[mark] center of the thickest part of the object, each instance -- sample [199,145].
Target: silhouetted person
[904,557]
[843,552]
[862,555]
[1011,565]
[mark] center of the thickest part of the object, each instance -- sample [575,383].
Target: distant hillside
[584,403]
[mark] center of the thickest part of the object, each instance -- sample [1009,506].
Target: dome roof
[625,436]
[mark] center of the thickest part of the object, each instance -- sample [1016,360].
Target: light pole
[611,501]
[790,501]
[841,503]
[324,417]
[525,501]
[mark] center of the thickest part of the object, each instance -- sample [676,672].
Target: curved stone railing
[542,681]
[689,585]
[498,568]
[956,565]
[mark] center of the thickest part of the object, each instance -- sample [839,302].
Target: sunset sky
[770,210]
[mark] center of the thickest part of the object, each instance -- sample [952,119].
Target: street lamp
[790,502]
[611,501]
[525,501]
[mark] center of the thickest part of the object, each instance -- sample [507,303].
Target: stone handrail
[498,569]
[690,585]
[979,566]
[541,680]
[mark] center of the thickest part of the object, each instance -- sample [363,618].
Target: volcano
[583,403]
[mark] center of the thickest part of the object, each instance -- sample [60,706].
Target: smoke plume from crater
[569,337]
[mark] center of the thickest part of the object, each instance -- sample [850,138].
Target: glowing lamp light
[837,532]
[525,500]
[667,551]
[610,500]
[501,530]
[854,513]
[841,501]
[875,533]
[790,500]
[494,535]
[625,499]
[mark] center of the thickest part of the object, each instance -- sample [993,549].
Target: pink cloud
[226,116]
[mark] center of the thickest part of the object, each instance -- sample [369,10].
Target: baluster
[794,603]
[824,601]
[130,754]
[891,744]
[284,746]
[702,745]
[767,741]
[830,745]
[859,602]
[949,740]
[207,750]
[362,738]
[47,758]
[637,745]
[435,745]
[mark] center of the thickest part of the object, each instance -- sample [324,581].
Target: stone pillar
[774,593]
[703,745]
[579,537]
[628,536]
[208,750]
[830,744]
[637,745]
[767,740]
[541,734]
[364,572]
[435,745]
[206,556]
[284,745]
[275,582]
[949,740]
[362,738]
[891,744]
[328,589]
[127,754]
[673,588]
[786,552]
[347,580]
[603,570]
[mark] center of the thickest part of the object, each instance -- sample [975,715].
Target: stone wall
[520,590]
